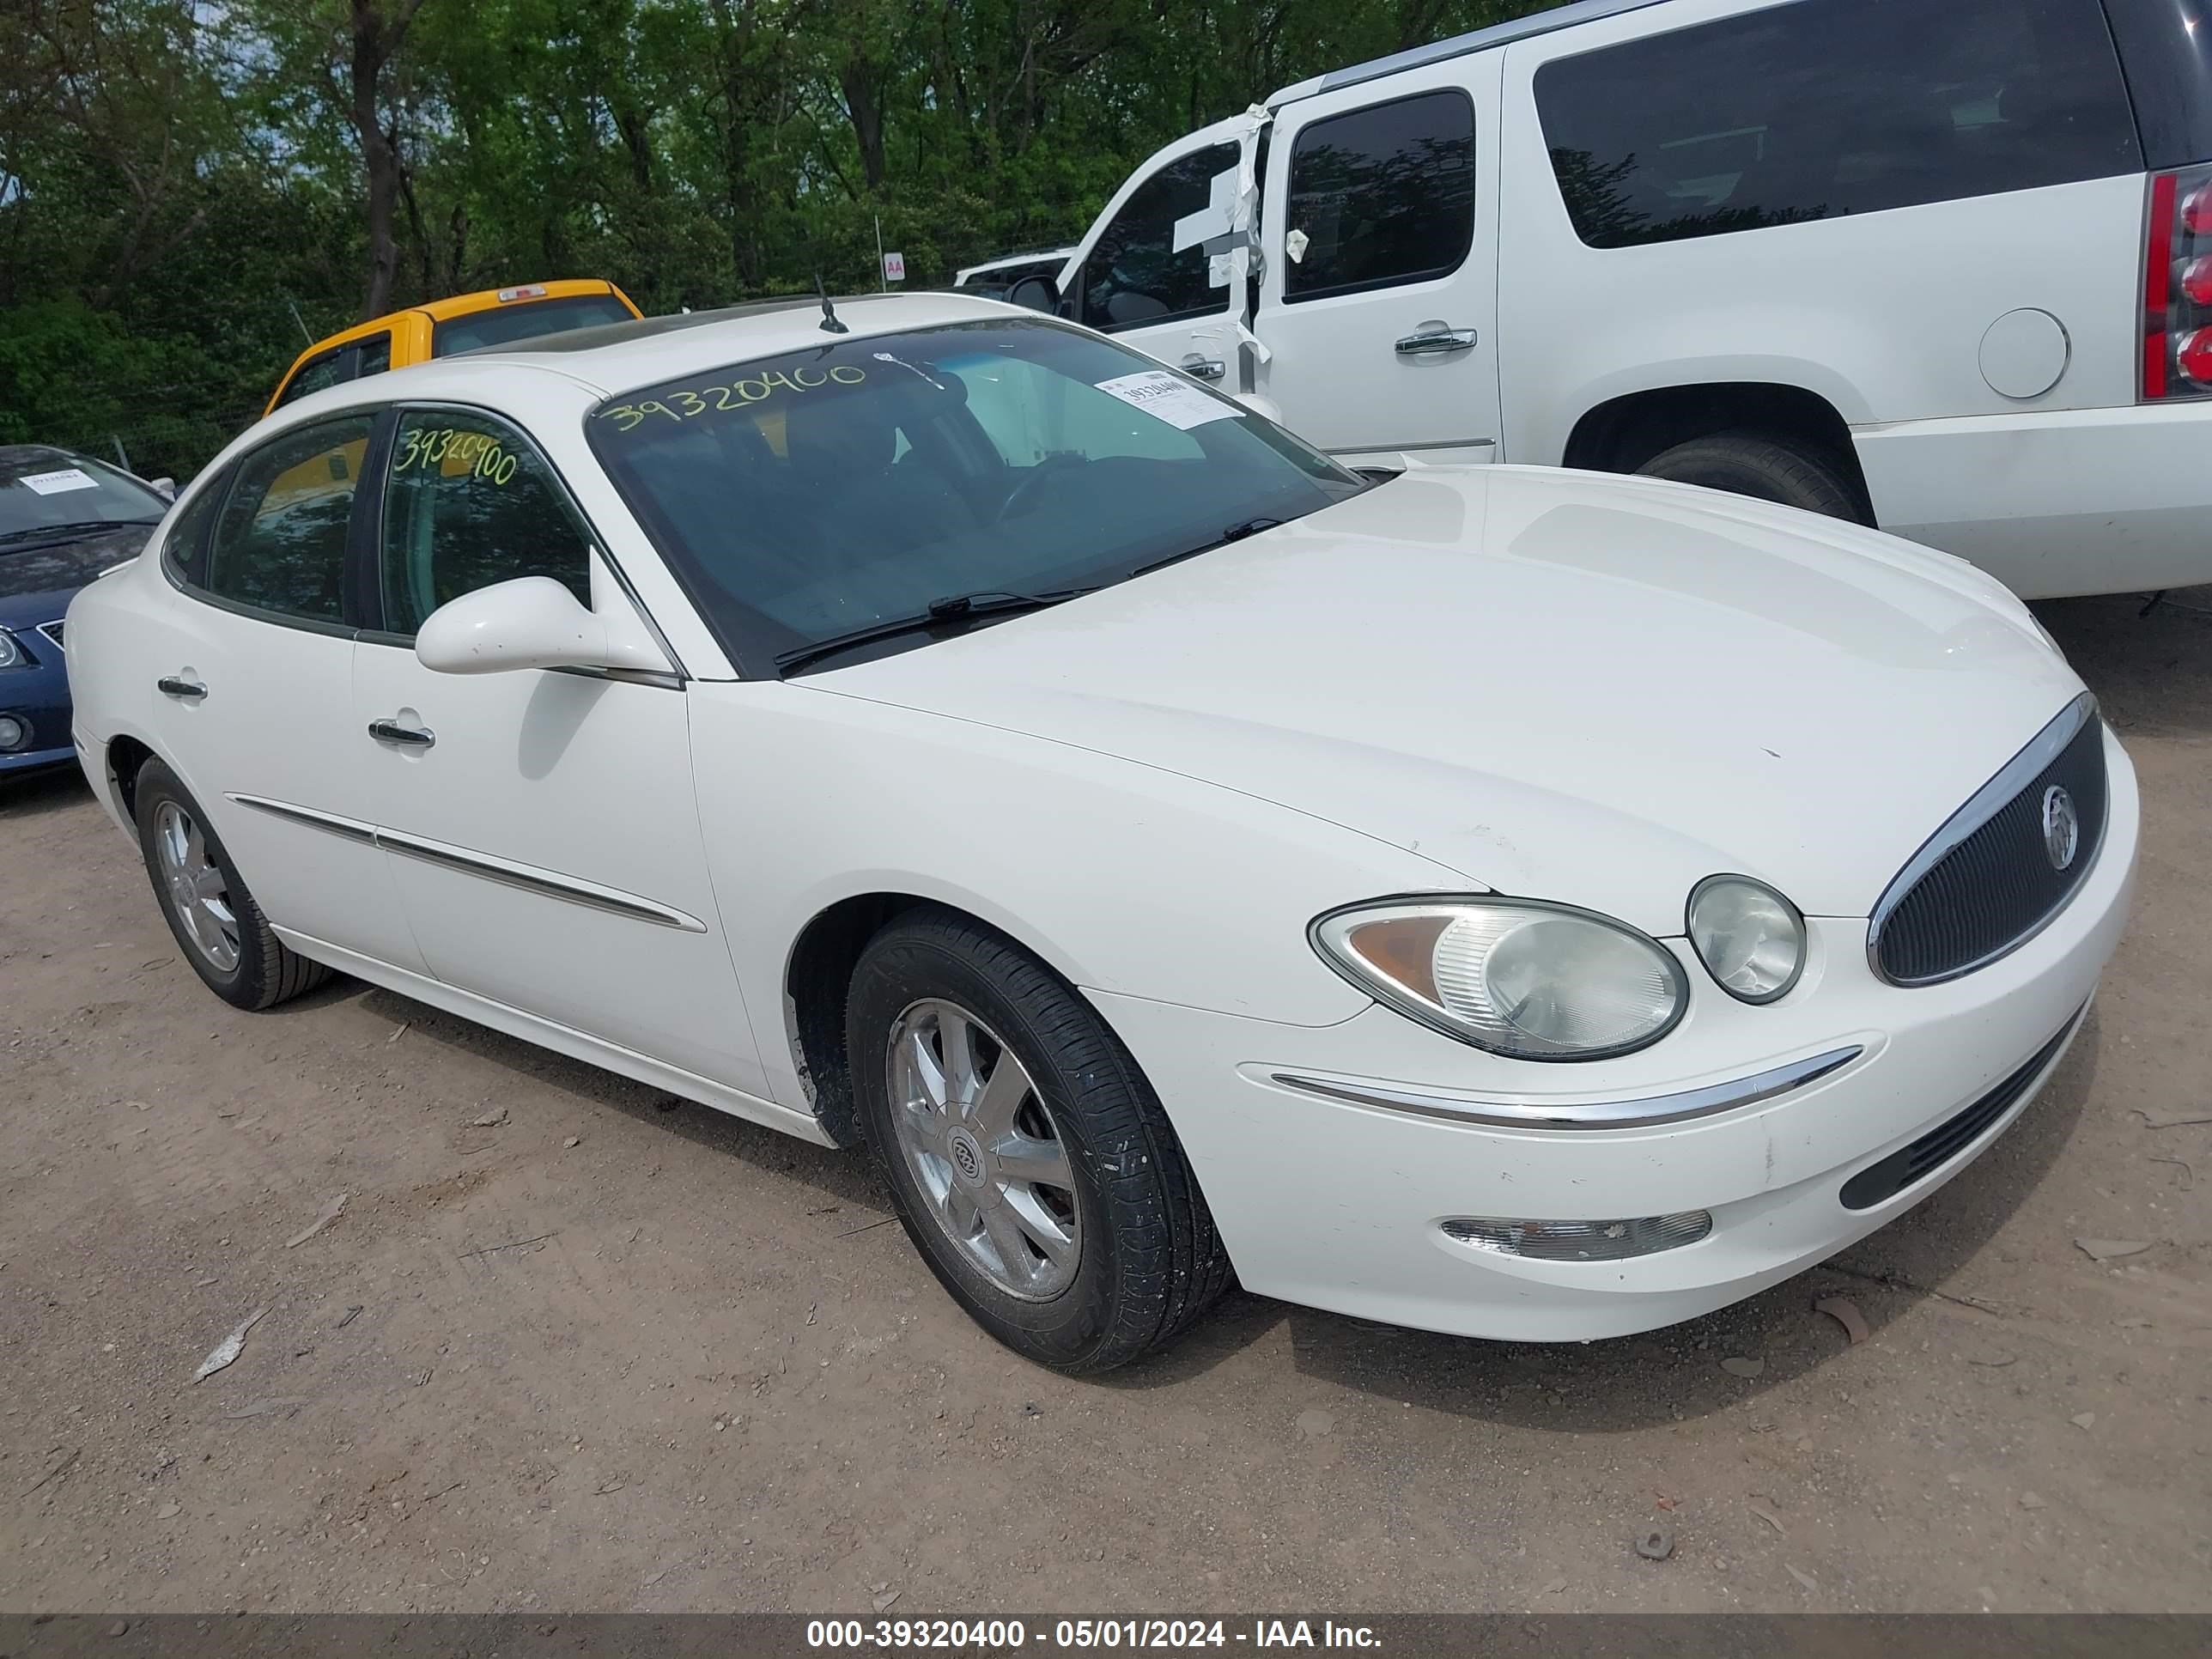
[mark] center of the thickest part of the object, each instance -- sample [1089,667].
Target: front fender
[1122,877]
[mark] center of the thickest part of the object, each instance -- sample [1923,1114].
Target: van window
[375,358]
[1822,108]
[319,374]
[1134,275]
[1380,196]
[479,331]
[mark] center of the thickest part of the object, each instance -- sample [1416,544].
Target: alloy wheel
[991,1166]
[199,894]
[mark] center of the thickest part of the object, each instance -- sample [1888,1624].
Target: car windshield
[807,497]
[48,496]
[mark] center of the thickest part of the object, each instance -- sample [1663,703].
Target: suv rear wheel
[1746,464]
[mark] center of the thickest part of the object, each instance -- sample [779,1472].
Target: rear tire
[218,926]
[1027,1157]
[1744,465]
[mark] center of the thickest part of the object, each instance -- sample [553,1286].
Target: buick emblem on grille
[2062,828]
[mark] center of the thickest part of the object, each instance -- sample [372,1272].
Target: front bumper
[1337,1204]
[39,696]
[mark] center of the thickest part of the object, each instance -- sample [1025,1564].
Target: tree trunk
[867,112]
[376,41]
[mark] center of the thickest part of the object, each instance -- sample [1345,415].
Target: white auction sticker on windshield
[55,484]
[1167,397]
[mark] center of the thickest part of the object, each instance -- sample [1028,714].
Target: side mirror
[532,622]
[1036,292]
[165,488]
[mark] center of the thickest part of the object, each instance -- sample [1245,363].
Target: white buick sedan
[1507,901]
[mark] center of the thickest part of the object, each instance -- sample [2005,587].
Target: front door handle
[176,685]
[1205,368]
[1437,343]
[411,737]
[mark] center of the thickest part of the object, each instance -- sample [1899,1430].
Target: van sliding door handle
[1204,368]
[175,685]
[1436,344]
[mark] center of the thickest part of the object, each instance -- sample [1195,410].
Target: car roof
[621,356]
[1498,35]
[457,305]
[30,455]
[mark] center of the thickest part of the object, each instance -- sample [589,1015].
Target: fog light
[14,733]
[1580,1241]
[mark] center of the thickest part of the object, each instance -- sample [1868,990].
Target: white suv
[1947,268]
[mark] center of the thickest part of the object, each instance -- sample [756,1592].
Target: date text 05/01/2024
[1082,1633]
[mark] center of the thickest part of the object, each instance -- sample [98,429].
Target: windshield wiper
[950,612]
[63,532]
[1235,532]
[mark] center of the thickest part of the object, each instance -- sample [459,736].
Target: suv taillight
[2177,359]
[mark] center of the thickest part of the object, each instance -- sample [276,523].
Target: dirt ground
[617,1351]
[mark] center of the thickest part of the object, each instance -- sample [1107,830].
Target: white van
[1941,266]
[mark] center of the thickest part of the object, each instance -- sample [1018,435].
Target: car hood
[29,573]
[1560,685]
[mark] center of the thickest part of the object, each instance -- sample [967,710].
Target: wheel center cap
[967,1156]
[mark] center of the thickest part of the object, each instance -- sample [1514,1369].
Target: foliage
[191,188]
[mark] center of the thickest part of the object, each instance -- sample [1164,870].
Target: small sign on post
[895,267]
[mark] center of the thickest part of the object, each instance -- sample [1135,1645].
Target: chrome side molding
[1635,1113]
[549,884]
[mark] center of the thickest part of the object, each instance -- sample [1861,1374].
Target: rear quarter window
[1822,109]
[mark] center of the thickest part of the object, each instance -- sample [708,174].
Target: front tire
[217,924]
[1027,1157]
[1743,463]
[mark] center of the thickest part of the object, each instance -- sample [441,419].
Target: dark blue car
[63,518]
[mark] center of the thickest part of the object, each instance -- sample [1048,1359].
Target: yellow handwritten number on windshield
[734,394]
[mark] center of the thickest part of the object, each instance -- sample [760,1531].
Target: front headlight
[1750,938]
[11,655]
[1515,976]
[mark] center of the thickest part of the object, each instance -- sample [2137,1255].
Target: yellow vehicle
[467,322]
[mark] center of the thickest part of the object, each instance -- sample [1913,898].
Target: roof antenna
[830,323]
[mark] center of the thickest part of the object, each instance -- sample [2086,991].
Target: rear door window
[1820,109]
[1381,196]
[1134,274]
[280,545]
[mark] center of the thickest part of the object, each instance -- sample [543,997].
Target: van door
[1164,267]
[1379,301]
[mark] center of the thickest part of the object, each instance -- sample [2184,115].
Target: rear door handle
[409,737]
[175,685]
[1437,343]
[1205,368]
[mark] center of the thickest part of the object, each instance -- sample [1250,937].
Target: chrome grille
[1985,884]
[52,631]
